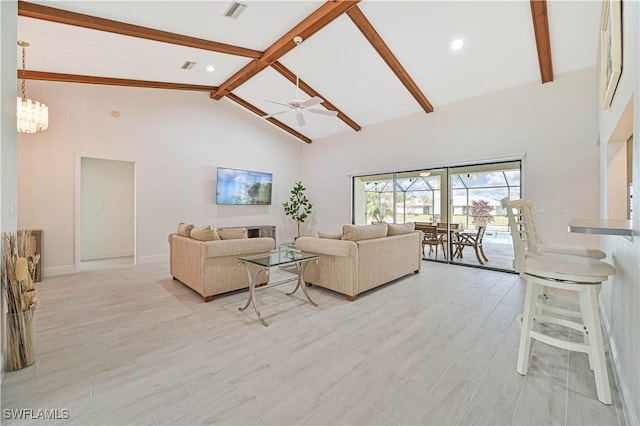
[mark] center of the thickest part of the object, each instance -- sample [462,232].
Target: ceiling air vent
[188,65]
[235,9]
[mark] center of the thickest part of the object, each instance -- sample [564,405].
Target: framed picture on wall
[611,49]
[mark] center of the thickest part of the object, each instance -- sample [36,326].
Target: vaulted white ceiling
[338,62]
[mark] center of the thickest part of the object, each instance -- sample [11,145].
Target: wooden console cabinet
[260,231]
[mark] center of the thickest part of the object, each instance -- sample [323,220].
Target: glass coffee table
[298,260]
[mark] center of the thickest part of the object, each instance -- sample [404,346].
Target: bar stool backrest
[534,233]
[524,229]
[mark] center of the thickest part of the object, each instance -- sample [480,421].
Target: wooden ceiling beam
[543,41]
[86,79]
[75,78]
[290,75]
[320,18]
[272,120]
[46,13]
[387,55]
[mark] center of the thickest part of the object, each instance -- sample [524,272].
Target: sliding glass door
[484,238]
[462,202]
[414,196]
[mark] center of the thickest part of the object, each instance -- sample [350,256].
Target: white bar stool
[534,243]
[581,275]
[534,240]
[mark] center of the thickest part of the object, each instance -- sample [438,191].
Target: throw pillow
[330,235]
[364,232]
[184,229]
[401,228]
[205,233]
[233,233]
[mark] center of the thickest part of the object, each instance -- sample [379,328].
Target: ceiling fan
[297,105]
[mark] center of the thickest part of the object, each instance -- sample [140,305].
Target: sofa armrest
[327,246]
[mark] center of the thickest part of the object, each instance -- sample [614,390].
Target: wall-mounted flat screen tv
[243,187]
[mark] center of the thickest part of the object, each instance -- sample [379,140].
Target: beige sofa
[211,267]
[363,257]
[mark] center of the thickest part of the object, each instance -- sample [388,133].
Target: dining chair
[431,237]
[448,233]
[468,239]
[423,223]
[580,275]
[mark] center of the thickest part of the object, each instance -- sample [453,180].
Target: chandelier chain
[32,116]
[24,73]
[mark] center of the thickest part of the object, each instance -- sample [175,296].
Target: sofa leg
[262,284]
[351,298]
[417,271]
[308,284]
[208,299]
[174,278]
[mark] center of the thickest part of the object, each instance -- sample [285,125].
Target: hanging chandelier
[32,115]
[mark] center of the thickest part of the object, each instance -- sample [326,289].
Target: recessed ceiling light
[456,44]
[211,68]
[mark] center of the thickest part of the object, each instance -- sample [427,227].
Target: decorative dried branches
[21,297]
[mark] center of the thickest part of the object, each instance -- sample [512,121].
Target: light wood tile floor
[132,346]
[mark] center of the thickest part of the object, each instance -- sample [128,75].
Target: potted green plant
[298,206]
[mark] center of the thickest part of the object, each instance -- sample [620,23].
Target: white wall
[620,297]
[552,124]
[8,93]
[107,203]
[176,138]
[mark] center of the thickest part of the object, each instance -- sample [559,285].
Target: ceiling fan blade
[323,112]
[313,101]
[277,102]
[300,118]
[275,113]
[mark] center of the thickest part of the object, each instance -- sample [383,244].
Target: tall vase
[20,352]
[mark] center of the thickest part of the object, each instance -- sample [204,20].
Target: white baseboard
[152,259]
[110,254]
[631,417]
[59,270]
[70,269]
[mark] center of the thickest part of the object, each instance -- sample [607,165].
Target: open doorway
[620,167]
[107,214]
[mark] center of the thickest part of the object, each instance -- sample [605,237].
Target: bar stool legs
[527,326]
[597,360]
[587,321]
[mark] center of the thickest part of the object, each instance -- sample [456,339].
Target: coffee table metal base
[300,266]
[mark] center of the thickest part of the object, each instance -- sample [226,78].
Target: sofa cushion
[205,233]
[364,232]
[401,228]
[233,233]
[330,235]
[184,229]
